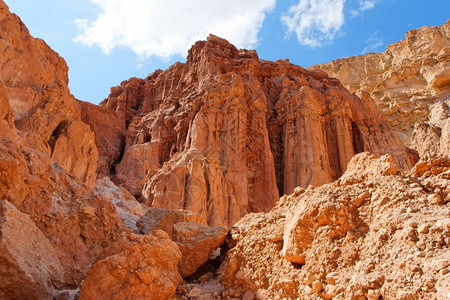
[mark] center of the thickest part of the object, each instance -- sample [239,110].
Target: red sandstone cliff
[48,159]
[226,133]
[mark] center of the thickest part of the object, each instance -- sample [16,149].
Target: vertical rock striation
[226,133]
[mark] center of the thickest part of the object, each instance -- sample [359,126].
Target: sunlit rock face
[405,80]
[226,133]
[367,235]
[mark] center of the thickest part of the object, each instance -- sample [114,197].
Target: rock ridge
[405,80]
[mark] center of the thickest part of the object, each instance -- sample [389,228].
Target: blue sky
[107,41]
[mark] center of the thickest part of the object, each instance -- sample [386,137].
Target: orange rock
[109,135]
[30,268]
[165,219]
[36,84]
[226,133]
[196,242]
[143,268]
[432,138]
[128,209]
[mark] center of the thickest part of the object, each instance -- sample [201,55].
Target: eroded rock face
[109,136]
[36,85]
[144,267]
[226,133]
[433,137]
[380,234]
[48,156]
[29,265]
[405,79]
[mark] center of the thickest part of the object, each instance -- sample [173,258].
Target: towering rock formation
[35,80]
[405,79]
[226,133]
[48,161]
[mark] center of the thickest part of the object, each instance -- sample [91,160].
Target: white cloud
[315,22]
[366,4]
[164,28]
[373,43]
[363,6]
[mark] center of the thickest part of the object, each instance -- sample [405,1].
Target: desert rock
[128,209]
[196,242]
[36,85]
[109,135]
[433,137]
[382,234]
[165,219]
[145,267]
[29,268]
[225,133]
[405,79]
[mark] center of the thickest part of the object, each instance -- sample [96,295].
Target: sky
[107,41]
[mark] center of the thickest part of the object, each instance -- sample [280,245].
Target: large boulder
[196,241]
[145,267]
[29,265]
[165,219]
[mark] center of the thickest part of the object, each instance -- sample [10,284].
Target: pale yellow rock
[405,79]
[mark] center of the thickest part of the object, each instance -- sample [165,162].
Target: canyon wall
[48,160]
[405,80]
[226,133]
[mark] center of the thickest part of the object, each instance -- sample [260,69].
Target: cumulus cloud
[315,22]
[163,28]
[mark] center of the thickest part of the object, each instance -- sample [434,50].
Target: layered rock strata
[405,80]
[226,133]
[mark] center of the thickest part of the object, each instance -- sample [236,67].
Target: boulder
[196,242]
[29,265]
[145,267]
[165,219]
